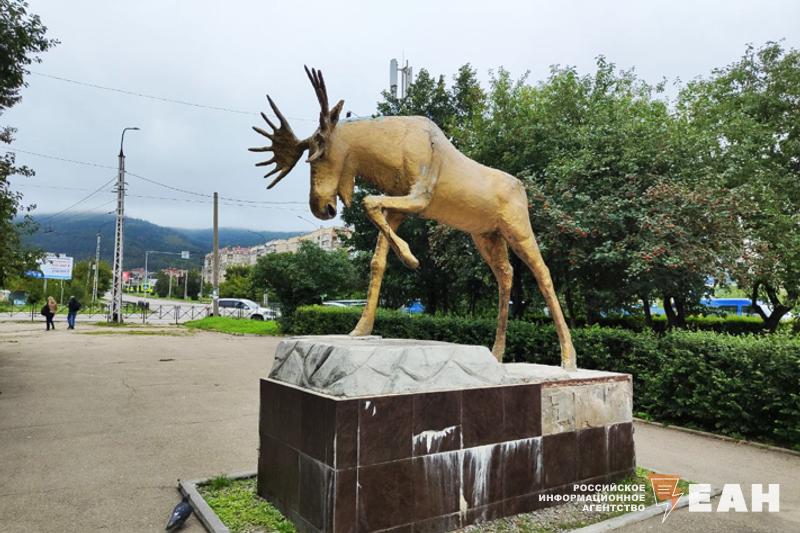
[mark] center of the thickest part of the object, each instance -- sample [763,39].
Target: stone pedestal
[363,435]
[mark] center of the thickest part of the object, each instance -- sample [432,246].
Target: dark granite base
[426,462]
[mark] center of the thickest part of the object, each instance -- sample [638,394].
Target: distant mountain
[76,236]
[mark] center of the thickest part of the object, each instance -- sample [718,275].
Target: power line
[178,189]
[47,156]
[191,200]
[151,180]
[159,98]
[103,186]
[23,184]
[195,193]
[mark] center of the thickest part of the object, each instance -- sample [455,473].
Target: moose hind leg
[377,268]
[523,242]
[494,251]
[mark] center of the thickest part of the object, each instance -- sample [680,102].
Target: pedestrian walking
[49,311]
[73,306]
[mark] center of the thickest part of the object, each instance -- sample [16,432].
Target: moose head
[326,163]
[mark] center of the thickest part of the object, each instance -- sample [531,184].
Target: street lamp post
[116,286]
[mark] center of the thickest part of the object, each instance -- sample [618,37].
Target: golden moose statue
[421,172]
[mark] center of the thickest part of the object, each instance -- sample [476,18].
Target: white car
[242,307]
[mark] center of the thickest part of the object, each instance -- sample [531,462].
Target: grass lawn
[236,326]
[239,507]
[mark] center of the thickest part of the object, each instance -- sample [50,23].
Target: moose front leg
[375,205]
[377,268]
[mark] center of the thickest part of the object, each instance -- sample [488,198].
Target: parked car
[245,308]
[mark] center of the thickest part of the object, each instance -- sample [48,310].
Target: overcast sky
[230,54]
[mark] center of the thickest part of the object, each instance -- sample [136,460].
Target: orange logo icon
[665,490]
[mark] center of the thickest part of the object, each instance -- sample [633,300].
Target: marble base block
[436,460]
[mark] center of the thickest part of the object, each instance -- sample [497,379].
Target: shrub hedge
[745,386]
[735,325]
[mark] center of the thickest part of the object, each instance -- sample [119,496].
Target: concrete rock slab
[347,366]
[344,366]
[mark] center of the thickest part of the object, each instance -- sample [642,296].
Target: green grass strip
[240,508]
[236,326]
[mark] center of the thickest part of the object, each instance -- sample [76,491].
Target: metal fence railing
[135,312]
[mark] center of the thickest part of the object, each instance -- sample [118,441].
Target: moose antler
[327,117]
[286,148]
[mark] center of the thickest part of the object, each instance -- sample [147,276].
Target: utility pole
[116,285]
[169,295]
[186,284]
[215,266]
[96,268]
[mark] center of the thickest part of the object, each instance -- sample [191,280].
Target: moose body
[424,165]
[421,173]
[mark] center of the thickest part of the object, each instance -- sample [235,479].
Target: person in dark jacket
[73,306]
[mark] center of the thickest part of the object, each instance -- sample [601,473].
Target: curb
[201,509]
[718,437]
[632,518]
[213,524]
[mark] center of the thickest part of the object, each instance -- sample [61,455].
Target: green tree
[162,284]
[307,277]
[195,279]
[238,282]
[32,286]
[22,37]
[82,282]
[613,183]
[750,112]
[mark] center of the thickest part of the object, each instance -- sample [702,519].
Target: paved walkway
[96,429]
[708,460]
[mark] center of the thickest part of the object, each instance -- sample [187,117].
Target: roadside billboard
[56,267]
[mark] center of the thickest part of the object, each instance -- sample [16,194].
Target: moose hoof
[360,331]
[410,261]
[568,359]
[408,258]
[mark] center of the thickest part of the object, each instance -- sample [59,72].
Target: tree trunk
[592,316]
[680,308]
[648,317]
[773,320]
[669,311]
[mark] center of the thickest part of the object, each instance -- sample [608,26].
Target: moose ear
[334,114]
